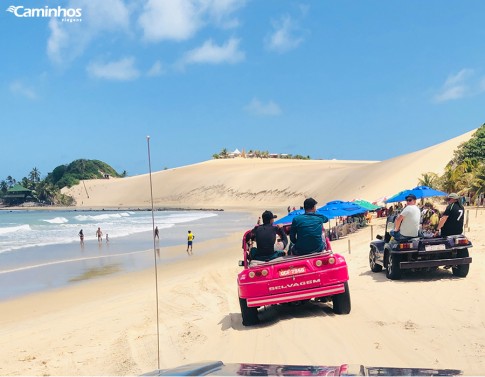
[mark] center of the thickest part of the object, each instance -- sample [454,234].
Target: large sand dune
[253,183]
[108,326]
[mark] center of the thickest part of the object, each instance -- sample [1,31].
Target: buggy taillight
[461,241]
[406,245]
[258,273]
[321,262]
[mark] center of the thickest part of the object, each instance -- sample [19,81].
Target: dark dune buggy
[420,253]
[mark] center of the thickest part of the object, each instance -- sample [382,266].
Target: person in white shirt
[407,223]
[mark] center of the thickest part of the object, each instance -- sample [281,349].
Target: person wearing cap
[451,222]
[265,236]
[306,230]
[407,223]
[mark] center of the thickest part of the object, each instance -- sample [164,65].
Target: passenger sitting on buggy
[407,224]
[265,237]
[306,230]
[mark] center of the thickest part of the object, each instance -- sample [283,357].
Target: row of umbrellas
[338,208]
[331,210]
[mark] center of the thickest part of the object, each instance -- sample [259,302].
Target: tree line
[48,189]
[465,173]
[224,153]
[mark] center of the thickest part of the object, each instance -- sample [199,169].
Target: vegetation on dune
[465,173]
[48,190]
[70,175]
[257,154]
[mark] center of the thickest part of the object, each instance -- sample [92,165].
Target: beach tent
[366,204]
[419,191]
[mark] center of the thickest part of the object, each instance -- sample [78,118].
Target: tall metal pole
[154,252]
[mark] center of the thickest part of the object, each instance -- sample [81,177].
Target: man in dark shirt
[451,223]
[306,230]
[265,236]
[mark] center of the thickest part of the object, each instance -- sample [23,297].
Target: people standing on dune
[99,234]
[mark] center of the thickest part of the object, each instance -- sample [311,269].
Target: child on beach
[190,239]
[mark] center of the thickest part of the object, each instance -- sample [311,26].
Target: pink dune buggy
[319,276]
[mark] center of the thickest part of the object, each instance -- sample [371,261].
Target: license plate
[292,271]
[434,247]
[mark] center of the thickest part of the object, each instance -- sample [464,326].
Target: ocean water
[41,250]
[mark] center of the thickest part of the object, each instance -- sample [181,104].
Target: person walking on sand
[156,235]
[190,240]
[81,236]
[99,234]
[107,238]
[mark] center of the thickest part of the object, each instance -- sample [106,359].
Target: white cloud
[180,20]
[17,87]
[121,70]
[256,107]
[284,37]
[221,12]
[173,20]
[58,40]
[214,54]
[69,40]
[156,69]
[460,85]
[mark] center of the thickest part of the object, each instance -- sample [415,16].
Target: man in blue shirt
[306,230]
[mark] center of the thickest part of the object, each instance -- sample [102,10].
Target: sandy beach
[108,326]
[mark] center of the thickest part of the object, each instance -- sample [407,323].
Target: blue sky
[331,79]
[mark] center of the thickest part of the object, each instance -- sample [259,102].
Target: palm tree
[46,192]
[34,175]
[446,182]
[3,186]
[428,179]
[27,183]
[11,181]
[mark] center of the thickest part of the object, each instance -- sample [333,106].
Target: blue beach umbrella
[418,191]
[338,208]
[289,218]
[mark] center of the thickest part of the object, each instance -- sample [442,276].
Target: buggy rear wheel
[249,314]
[341,302]
[462,269]
[374,267]
[393,269]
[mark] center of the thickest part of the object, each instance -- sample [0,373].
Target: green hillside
[70,175]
